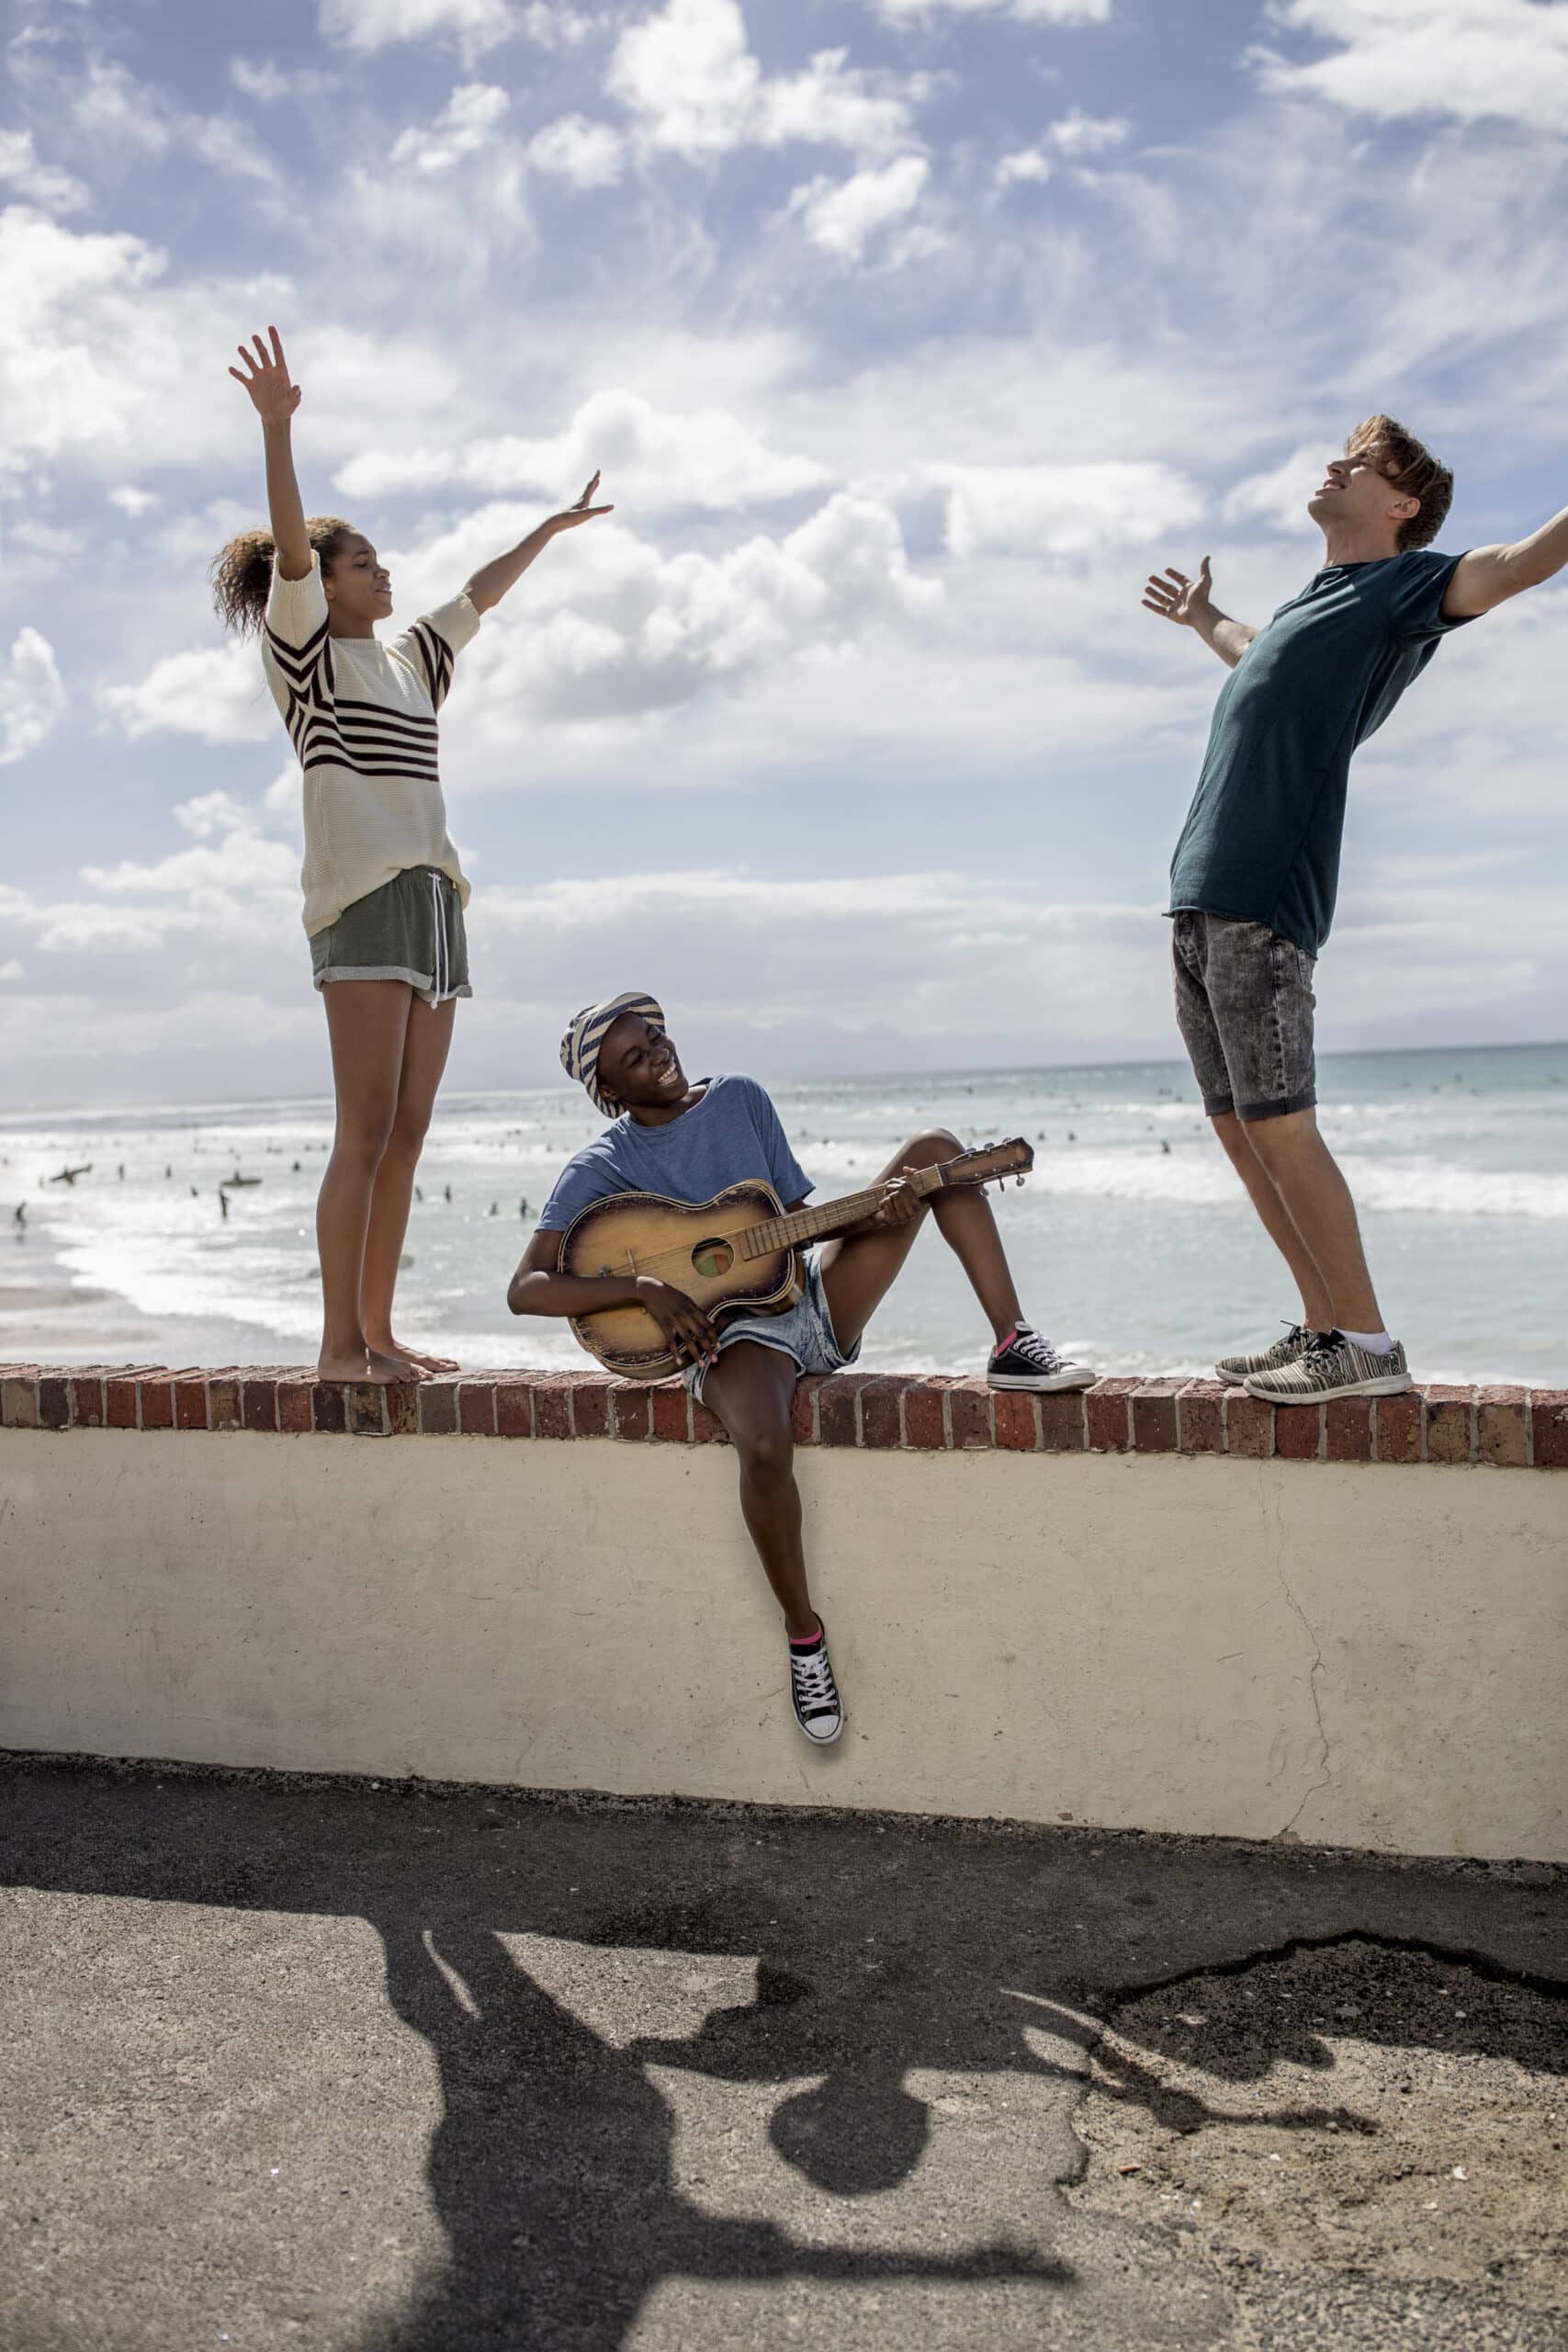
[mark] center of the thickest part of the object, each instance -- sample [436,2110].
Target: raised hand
[274,395]
[581,512]
[1176,598]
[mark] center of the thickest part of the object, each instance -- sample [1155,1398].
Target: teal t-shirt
[1261,840]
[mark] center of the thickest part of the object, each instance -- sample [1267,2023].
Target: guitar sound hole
[713,1258]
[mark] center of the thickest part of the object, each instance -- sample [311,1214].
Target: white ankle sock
[1376,1343]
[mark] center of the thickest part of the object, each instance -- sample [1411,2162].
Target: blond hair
[1409,467]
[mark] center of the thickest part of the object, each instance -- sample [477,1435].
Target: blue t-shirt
[1262,837]
[731,1136]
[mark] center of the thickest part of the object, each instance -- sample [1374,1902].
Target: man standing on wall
[1253,882]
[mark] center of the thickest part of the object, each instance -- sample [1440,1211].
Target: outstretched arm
[1489,576]
[1189,603]
[492,581]
[274,397]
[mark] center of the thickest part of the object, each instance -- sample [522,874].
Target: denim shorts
[1244,1003]
[410,929]
[804,1331]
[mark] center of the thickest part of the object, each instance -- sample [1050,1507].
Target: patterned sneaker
[819,1709]
[1289,1349]
[1333,1366]
[1029,1361]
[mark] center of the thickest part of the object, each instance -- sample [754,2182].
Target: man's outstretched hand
[1176,598]
[581,512]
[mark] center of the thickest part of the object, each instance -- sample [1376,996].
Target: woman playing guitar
[688,1141]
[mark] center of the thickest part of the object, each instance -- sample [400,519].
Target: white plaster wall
[1361,1655]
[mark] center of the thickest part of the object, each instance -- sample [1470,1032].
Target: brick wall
[1510,1428]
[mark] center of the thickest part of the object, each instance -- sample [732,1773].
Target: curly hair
[1410,467]
[241,573]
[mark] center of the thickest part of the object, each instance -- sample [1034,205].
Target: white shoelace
[814,1686]
[1036,1351]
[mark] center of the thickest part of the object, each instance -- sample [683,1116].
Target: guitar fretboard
[829,1217]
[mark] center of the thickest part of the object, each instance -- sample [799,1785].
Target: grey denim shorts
[804,1331]
[1245,1005]
[410,929]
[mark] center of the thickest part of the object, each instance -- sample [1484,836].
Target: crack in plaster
[1272,1515]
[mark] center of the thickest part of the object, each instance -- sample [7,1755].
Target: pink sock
[807,1641]
[1007,1342]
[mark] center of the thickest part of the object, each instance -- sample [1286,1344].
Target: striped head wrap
[587,1031]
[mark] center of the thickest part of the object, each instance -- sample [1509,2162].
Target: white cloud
[1075,138]
[266,82]
[1062,510]
[216,812]
[1025,164]
[588,154]
[13,968]
[131,501]
[555,25]
[35,181]
[1467,60]
[32,698]
[841,217]
[216,692]
[371,24]
[122,117]
[651,457]
[1278,496]
[1022,12]
[689,78]
[463,125]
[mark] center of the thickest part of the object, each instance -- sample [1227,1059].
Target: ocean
[1134,1246]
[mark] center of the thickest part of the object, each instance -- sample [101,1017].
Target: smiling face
[638,1068]
[1356,494]
[358,584]
[1387,493]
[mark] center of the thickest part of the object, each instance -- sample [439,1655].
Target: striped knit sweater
[362,718]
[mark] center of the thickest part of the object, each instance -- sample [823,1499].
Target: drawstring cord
[443,969]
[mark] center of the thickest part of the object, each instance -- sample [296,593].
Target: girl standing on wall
[384,891]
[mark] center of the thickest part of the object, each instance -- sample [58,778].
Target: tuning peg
[1017,1182]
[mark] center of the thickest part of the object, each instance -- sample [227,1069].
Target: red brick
[155,1398]
[969,1416]
[190,1400]
[402,1408]
[706,1427]
[476,1407]
[925,1416]
[1298,1433]
[438,1407]
[1064,1422]
[1448,1418]
[19,1401]
[1250,1425]
[837,1414]
[1107,1407]
[54,1401]
[550,1398]
[294,1402]
[1153,1416]
[591,1405]
[631,1410]
[364,1407]
[86,1399]
[882,1411]
[1503,1427]
[223,1403]
[258,1401]
[672,1412]
[1015,1416]
[1200,1418]
[1348,1428]
[329,1408]
[1397,1420]
[515,1402]
[804,1418]
[1549,1411]
[119,1400]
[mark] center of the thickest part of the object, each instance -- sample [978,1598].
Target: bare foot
[387,1366]
[369,1363]
[424,1363]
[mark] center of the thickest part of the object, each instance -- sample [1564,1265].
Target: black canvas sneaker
[1333,1366]
[819,1709]
[1289,1349]
[1029,1361]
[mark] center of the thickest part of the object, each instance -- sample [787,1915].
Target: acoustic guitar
[737,1254]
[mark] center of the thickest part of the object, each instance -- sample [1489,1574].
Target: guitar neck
[831,1217]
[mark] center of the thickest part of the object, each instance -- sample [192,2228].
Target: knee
[929,1149]
[361,1140]
[767,1456]
[409,1130]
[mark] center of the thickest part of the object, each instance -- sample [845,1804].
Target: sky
[909,336]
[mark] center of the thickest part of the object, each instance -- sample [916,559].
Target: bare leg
[859,1271]
[1317,1311]
[751,1389]
[1317,1200]
[367,1022]
[425,1047]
